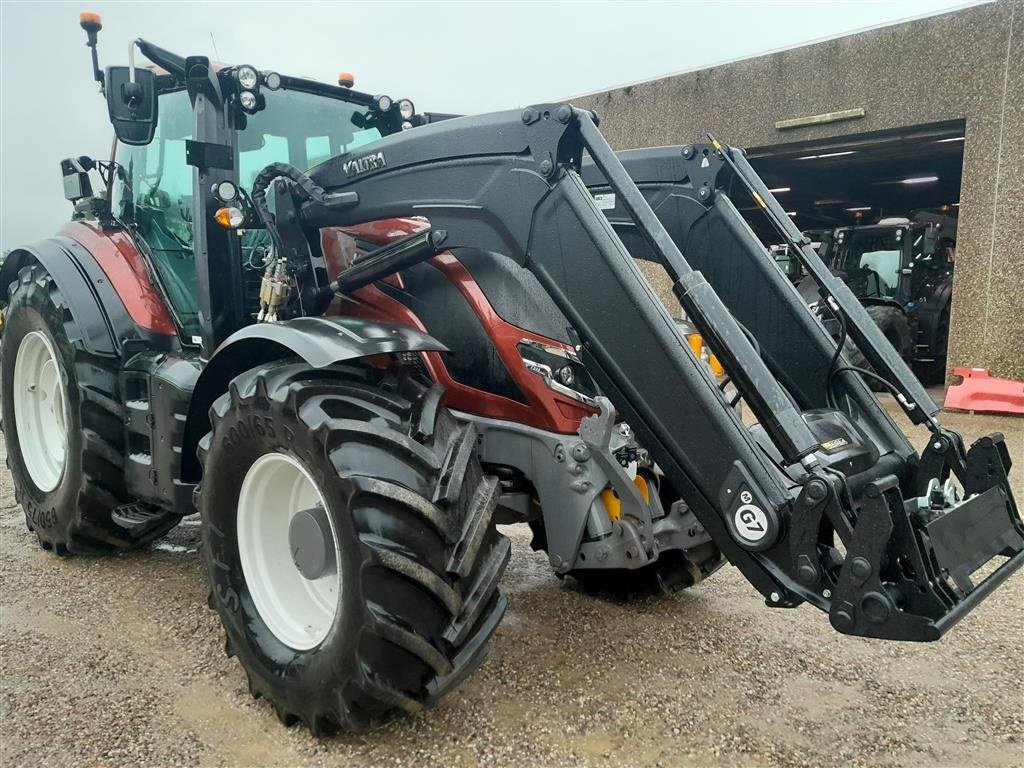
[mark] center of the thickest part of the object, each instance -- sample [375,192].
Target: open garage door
[862,178]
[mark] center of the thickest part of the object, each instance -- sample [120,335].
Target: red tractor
[355,337]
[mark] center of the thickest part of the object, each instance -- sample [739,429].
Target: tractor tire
[65,439]
[896,328]
[412,601]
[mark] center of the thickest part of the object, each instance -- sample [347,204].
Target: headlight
[384,103]
[248,100]
[406,125]
[247,76]
[406,109]
[273,80]
[225,191]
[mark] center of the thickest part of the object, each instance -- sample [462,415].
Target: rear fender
[320,341]
[105,326]
[96,309]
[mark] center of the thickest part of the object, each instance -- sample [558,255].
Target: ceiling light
[954,138]
[779,189]
[791,213]
[920,180]
[860,208]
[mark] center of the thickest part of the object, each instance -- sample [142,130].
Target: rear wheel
[349,541]
[62,420]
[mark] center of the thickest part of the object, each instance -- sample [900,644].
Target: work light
[406,109]
[247,76]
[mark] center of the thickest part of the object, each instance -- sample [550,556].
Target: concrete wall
[963,65]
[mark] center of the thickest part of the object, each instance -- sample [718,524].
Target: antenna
[214,42]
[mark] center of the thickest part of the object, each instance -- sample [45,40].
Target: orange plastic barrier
[981,392]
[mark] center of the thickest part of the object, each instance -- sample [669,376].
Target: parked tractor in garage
[354,339]
[902,272]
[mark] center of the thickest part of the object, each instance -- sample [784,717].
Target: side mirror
[132,105]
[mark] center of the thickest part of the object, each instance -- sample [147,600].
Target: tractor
[356,338]
[902,271]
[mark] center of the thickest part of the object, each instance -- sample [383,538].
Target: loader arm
[783,500]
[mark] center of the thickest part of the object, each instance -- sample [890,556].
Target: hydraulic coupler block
[274,290]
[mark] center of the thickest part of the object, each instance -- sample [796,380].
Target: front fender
[320,341]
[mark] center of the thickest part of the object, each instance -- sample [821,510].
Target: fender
[97,309]
[320,341]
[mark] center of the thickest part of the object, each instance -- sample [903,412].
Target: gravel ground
[118,662]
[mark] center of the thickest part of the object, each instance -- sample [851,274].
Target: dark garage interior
[862,178]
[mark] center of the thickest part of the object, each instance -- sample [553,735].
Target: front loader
[355,337]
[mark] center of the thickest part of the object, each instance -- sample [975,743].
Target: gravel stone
[118,662]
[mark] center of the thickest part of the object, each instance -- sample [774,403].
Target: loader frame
[510,183]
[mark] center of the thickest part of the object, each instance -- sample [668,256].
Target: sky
[463,57]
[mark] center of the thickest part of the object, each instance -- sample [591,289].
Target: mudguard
[320,341]
[96,308]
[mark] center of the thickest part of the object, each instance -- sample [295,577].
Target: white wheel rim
[300,612]
[40,411]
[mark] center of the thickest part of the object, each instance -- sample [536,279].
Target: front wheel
[349,541]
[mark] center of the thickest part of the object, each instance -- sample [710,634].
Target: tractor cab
[895,260]
[177,116]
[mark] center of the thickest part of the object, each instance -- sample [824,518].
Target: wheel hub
[288,550]
[312,543]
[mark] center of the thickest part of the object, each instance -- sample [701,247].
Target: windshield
[302,129]
[871,260]
[153,189]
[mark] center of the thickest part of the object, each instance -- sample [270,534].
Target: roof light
[273,80]
[247,76]
[920,180]
[89,18]
[384,103]
[248,100]
[406,109]
[952,138]
[346,79]
[827,154]
[777,190]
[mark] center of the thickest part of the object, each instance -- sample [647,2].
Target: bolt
[843,621]
[555,561]
[860,568]
[530,115]
[937,445]
[545,167]
[826,593]
[580,452]
[564,113]
[688,151]
[602,553]
[624,429]
[775,597]
[704,193]
[816,490]
[577,469]
[807,573]
[560,453]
